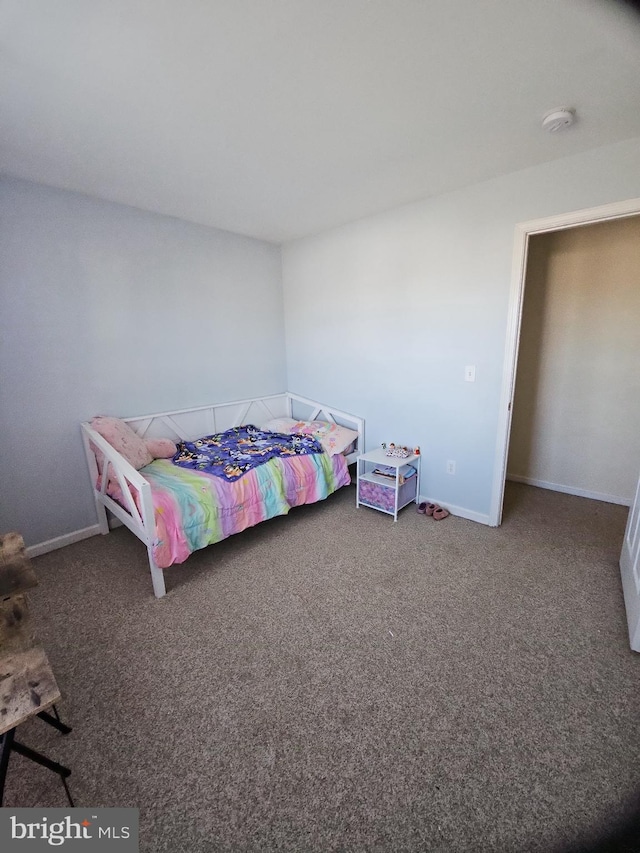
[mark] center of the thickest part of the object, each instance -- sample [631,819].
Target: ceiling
[282,118]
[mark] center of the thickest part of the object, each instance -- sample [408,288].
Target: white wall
[107,309]
[576,417]
[382,315]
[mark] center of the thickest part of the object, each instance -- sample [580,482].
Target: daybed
[175,510]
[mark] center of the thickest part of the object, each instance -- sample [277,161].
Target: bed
[175,510]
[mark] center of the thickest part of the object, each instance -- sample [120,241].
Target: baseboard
[570,490]
[460,511]
[62,541]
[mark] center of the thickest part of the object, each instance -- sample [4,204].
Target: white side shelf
[386,494]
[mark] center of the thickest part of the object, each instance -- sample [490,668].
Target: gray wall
[107,309]
[383,315]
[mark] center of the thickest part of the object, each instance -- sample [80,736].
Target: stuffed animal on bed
[136,450]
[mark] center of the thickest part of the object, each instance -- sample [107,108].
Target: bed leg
[103,520]
[157,579]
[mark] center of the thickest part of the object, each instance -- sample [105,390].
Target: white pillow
[333,437]
[280,425]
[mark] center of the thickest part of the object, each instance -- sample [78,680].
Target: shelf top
[380,456]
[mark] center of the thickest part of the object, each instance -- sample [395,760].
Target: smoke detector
[558,119]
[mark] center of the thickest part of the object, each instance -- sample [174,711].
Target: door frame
[523,231]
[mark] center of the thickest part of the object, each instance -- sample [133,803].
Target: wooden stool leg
[62,771]
[55,721]
[6,743]
[67,792]
[27,752]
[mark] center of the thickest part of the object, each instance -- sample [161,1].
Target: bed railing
[189,424]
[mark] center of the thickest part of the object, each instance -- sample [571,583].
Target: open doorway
[524,234]
[576,407]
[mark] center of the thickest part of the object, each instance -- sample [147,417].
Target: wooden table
[27,685]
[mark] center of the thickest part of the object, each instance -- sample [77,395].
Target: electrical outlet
[451,466]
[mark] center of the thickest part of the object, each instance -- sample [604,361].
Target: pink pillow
[161,448]
[123,439]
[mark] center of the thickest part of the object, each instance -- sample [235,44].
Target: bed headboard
[189,424]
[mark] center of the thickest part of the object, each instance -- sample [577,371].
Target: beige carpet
[334,681]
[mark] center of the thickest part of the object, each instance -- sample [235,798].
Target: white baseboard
[460,511]
[62,541]
[570,490]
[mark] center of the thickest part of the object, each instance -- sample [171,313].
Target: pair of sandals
[433,510]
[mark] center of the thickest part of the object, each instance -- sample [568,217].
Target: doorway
[524,233]
[576,409]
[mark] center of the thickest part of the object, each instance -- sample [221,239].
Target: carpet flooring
[332,681]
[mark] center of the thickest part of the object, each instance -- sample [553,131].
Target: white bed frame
[187,425]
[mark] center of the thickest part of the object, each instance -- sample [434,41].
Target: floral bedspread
[232,453]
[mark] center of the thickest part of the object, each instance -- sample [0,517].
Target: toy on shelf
[398,451]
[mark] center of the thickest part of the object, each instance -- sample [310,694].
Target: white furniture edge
[142,522]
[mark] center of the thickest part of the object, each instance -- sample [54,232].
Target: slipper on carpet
[431,508]
[421,508]
[439,513]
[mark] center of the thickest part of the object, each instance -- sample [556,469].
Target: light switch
[470,373]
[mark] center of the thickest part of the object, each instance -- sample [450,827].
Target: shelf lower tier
[381,496]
